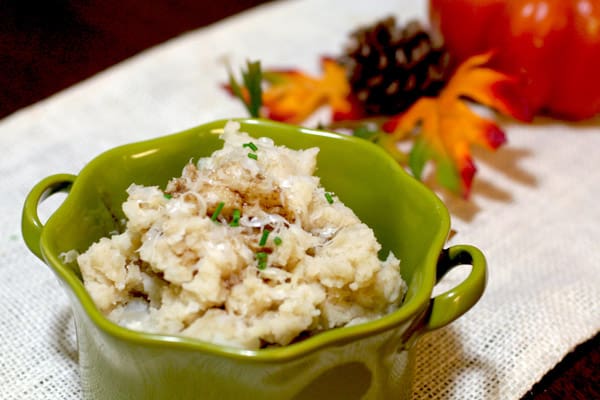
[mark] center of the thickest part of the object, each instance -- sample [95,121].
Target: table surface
[46,47]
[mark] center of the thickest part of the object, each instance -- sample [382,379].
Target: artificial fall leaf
[449,127]
[251,92]
[292,96]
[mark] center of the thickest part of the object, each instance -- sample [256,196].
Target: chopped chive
[263,239]
[329,197]
[277,240]
[261,258]
[235,221]
[168,196]
[251,145]
[217,211]
[252,156]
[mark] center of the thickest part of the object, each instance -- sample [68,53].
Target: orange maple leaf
[449,126]
[292,96]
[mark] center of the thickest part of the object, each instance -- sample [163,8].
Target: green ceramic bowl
[372,361]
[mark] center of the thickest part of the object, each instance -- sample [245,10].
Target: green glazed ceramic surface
[372,360]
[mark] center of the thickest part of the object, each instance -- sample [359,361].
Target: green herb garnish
[263,239]
[235,220]
[250,145]
[215,215]
[261,258]
[168,196]
[277,240]
[252,156]
[329,197]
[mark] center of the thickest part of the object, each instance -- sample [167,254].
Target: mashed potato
[244,249]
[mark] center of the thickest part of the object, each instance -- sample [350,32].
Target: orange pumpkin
[551,46]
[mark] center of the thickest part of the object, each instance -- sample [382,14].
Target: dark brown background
[48,45]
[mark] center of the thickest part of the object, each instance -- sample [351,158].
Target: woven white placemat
[533,211]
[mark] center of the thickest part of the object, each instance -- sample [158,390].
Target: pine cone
[390,67]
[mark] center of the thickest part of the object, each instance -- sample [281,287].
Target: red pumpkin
[551,46]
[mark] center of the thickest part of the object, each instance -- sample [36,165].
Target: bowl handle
[448,306]
[31,226]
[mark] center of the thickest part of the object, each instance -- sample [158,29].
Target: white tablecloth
[534,209]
